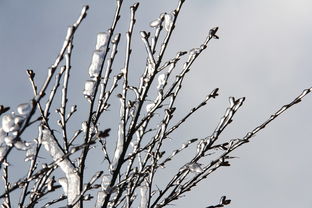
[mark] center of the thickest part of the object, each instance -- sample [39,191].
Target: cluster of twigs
[129,178]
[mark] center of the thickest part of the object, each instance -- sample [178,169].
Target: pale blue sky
[264,54]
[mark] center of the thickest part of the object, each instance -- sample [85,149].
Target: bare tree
[127,177]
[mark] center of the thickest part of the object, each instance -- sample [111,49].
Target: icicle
[96,63]
[89,88]
[24,109]
[161,80]
[118,151]
[119,146]
[168,21]
[101,40]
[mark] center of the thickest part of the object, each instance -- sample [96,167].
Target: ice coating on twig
[64,184]
[144,196]
[3,151]
[168,21]
[25,117]
[64,163]
[155,23]
[135,170]
[194,51]
[8,122]
[101,40]
[11,123]
[105,181]
[49,183]
[118,151]
[100,199]
[18,120]
[96,63]
[195,167]
[24,108]
[84,126]
[9,140]
[149,107]
[21,145]
[150,69]
[89,88]
[30,154]
[2,135]
[161,80]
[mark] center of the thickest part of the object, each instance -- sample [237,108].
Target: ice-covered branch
[104,48]
[62,110]
[70,33]
[70,171]
[132,155]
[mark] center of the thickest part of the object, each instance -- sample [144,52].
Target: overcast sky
[264,54]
